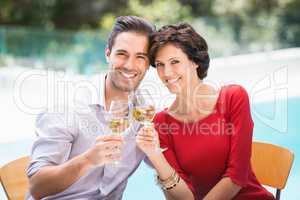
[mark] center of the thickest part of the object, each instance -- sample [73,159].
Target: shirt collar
[91,91]
[97,92]
[98,82]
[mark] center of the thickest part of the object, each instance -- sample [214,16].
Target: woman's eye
[174,62]
[159,65]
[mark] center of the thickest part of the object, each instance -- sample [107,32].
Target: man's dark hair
[129,24]
[187,39]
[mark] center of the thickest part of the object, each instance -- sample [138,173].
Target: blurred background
[252,42]
[51,33]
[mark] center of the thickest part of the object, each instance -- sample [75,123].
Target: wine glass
[144,109]
[118,119]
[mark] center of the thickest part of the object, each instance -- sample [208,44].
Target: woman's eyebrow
[172,58]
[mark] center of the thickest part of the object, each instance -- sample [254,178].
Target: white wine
[144,114]
[118,125]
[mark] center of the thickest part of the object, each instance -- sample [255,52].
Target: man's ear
[107,54]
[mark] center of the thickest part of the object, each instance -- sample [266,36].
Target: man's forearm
[50,180]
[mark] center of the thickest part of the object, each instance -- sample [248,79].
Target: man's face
[128,60]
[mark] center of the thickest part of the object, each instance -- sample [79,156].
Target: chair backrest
[14,180]
[271,164]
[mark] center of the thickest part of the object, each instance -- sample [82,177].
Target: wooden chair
[14,180]
[271,165]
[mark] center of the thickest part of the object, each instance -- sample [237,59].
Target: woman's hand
[147,140]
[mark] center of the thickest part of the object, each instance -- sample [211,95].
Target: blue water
[275,122]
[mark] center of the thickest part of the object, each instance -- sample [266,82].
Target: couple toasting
[70,161]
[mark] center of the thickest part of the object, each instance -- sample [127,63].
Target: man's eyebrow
[121,51]
[143,54]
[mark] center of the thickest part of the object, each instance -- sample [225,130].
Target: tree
[289,29]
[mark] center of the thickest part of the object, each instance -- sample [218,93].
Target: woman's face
[175,69]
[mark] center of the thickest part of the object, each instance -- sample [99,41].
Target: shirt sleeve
[165,140]
[53,143]
[241,124]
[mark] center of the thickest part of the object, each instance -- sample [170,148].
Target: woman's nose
[168,70]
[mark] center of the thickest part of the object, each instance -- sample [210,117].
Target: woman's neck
[197,99]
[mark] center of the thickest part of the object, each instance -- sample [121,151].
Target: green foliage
[29,13]
[160,12]
[289,29]
[230,27]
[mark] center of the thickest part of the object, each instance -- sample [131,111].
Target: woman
[206,133]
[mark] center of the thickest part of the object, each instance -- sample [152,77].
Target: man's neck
[113,93]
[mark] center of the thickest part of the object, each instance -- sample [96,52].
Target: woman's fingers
[147,131]
[146,144]
[146,138]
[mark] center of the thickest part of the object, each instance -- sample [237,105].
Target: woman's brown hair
[187,39]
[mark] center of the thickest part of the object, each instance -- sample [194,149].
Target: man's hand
[106,149]
[47,181]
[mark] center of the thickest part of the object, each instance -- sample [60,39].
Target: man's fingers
[110,151]
[109,158]
[106,138]
[109,145]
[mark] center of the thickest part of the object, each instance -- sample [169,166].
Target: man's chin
[127,87]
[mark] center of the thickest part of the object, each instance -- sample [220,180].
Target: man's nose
[130,63]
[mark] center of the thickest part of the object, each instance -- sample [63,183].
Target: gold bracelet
[170,178]
[170,182]
[172,186]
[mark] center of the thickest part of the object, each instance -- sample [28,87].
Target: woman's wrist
[170,182]
[162,167]
[155,157]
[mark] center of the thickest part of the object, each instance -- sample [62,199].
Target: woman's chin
[173,90]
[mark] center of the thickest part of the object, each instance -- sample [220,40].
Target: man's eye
[141,57]
[120,54]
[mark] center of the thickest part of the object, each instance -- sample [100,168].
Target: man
[72,156]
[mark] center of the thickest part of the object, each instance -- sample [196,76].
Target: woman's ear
[194,65]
